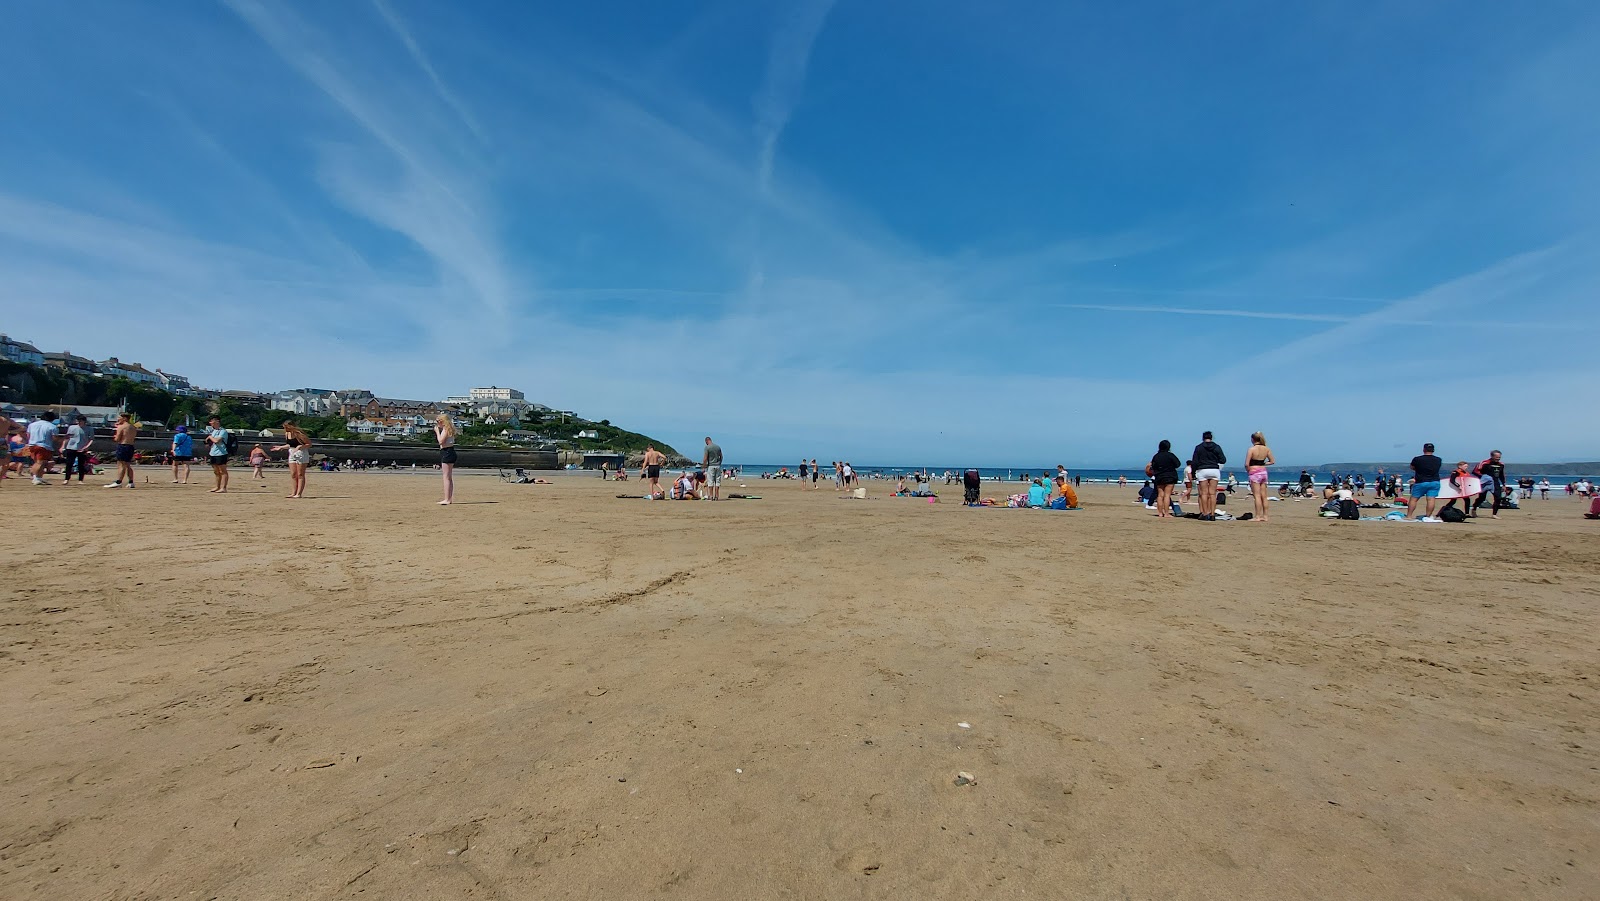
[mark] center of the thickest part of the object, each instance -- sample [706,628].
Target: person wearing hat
[182,455]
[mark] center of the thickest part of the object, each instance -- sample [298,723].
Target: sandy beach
[547,692]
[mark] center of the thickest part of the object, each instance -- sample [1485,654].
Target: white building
[492,404]
[306,401]
[174,383]
[492,393]
[133,372]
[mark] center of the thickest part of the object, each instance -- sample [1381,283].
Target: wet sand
[546,692]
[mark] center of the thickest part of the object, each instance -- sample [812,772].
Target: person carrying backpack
[221,442]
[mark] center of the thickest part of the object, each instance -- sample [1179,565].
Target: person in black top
[1163,467]
[1492,468]
[1425,467]
[1208,459]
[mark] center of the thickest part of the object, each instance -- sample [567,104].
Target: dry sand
[546,692]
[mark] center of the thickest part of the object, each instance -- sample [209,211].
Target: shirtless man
[123,437]
[653,461]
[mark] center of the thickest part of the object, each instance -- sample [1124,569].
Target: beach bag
[859,494]
[1349,510]
[1453,514]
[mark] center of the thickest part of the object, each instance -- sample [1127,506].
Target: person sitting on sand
[1066,497]
[684,489]
[1038,495]
[1594,509]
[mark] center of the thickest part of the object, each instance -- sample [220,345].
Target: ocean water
[1275,476]
[1012,474]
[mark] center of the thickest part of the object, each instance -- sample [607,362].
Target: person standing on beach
[1163,468]
[444,431]
[1208,459]
[805,473]
[650,469]
[42,444]
[217,439]
[1494,473]
[182,455]
[75,449]
[816,475]
[712,463]
[1256,461]
[298,444]
[1425,484]
[124,436]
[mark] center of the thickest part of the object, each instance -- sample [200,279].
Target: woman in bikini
[298,444]
[1256,461]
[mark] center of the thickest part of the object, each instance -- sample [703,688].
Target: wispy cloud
[424,188]
[786,76]
[403,33]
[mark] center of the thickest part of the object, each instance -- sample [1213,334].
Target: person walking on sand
[298,444]
[816,475]
[1425,483]
[1163,468]
[1208,459]
[650,468]
[258,459]
[217,439]
[444,431]
[712,464]
[42,444]
[1493,474]
[75,449]
[124,436]
[1256,461]
[182,455]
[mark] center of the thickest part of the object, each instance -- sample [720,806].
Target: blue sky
[890,232]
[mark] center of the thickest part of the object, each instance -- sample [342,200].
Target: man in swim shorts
[1208,459]
[713,467]
[653,461]
[1426,467]
[124,437]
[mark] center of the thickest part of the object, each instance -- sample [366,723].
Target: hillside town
[365,413]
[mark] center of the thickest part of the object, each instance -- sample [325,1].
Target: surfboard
[1470,487]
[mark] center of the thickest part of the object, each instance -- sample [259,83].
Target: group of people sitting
[920,486]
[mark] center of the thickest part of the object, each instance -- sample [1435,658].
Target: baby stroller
[971,484]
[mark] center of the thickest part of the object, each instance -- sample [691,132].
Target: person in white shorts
[1208,460]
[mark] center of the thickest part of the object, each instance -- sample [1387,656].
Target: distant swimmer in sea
[1256,461]
[444,431]
[1163,468]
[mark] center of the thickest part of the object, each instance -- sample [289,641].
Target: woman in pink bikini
[1256,461]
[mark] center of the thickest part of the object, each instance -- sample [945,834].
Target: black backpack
[232,444]
[1349,510]
[1453,514]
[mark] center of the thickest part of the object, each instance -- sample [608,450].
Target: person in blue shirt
[182,455]
[1038,495]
